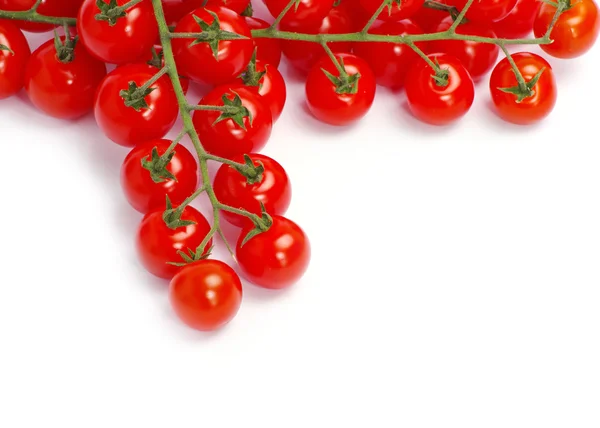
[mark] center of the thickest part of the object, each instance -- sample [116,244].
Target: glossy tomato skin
[358,15]
[177,9]
[226,138]
[428,19]
[157,245]
[303,55]
[308,13]
[63,90]
[238,6]
[390,61]
[575,31]
[406,9]
[206,295]
[267,50]
[519,22]
[339,109]
[439,105]
[277,258]
[142,192]
[126,41]
[124,125]
[531,109]
[486,11]
[56,8]
[233,189]
[12,65]
[232,57]
[478,58]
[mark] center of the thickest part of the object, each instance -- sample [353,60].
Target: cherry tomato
[267,50]
[12,64]
[276,258]
[478,58]
[358,15]
[519,22]
[206,295]
[271,88]
[399,10]
[124,125]
[232,56]
[142,192]
[428,19]
[390,61]
[303,55]
[233,189]
[126,41]
[575,31]
[56,8]
[227,138]
[158,245]
[177,9]
[238,6]
[329,106]
[435,104]
[485,11]
[531,109]
[307,13]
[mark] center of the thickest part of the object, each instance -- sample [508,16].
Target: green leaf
[134,97]
[6,48]
[157,166]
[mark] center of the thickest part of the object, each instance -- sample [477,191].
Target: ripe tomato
[530,109]
[519,22]
[428,19]
[271,88]
[64,90]
[142,192]
[12,64]
[390,61]
[267,50]
[276,258]
[233,189]
[358,15]
[399,10]
[126,41]
[238,6]
[485,11]
[206,295]
[158,245]
[306,14]
[56,8]
[227,138]
[303,55]
[232,56]
[329,106]
[575,31]
[478,58]
[177,9]
[435,104]
[124,125]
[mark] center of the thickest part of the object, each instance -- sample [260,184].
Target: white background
[454,280]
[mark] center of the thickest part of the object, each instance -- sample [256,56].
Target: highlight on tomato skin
[519,22]
[13,59]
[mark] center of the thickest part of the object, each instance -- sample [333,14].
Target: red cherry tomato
[308,13]
[227,138]
[267,50]
[274,259]
[12,64]
[238,6]
[271,88]
[478,58]
[575,31]
[233,189]
[434,104]
[206,295]
[339,108]
[64,90]
[531,109]
[126,41]
[177,9]
[399,10]
[303,55]
[390,61]
[358,15]
[519,22]
[428,19]
[142,192]
[232,56]
[158,245]
[56,8]
[485,11]
[124,125]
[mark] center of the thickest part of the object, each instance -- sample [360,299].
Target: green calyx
[213,34]
[192,256]
[6,48]
[344,83]
[393,3]
[234,110]
[524,91]
[252,77]
[249,11]
[253,173]
[65,50]
[441,75]
[260,226]
[172,216]
[135,96]
[157,166]
[109,12]
[157,59]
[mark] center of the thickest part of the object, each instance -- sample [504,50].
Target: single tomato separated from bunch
[485,11]
[306,13]
[268,50]
[52,8]
[14,55]
[519,22]
[398,10]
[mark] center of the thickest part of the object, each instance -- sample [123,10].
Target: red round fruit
[158,245]
[334,108]
[206,295]
[271,87]
[519,22]
[435,104]
[273,190]
[13,59]
[52,8]
[307,13]
[358,15]
[139,185]
[531,109]
[267,50]
[399,9]
[238,6]
[274,259]
[428,18]
[485,11]
[176,9]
